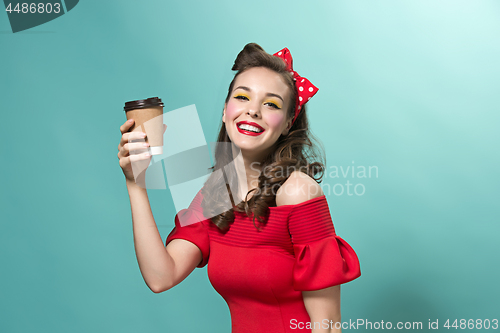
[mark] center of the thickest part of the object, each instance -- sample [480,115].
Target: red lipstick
[246,132]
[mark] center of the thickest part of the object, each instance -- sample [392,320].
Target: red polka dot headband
[305,89]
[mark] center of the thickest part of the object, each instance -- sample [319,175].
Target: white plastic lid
[156,150]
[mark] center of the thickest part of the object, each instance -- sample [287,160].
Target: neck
[248,166]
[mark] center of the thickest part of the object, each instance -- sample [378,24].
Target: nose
[254,110]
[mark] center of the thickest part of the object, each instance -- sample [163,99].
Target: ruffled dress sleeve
[190,226]
[322,259]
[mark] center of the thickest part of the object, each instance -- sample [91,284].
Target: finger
[131,137]
[126,126]
[135,136]
[136,147]
[139,157]
[164,128]
[132,149]
[126,146]
[126,162]
[139,160]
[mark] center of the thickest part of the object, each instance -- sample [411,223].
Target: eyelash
[273,105]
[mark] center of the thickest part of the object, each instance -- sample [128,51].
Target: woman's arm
[323,306]
[161,267]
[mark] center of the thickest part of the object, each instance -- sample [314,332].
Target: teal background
[411,87]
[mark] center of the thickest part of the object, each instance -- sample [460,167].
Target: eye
[273,105]
[242,97]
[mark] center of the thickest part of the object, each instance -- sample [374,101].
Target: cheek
[231,110]
[275,120]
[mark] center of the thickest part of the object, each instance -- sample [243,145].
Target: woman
[274,256]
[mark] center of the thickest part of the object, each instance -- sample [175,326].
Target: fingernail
[130,120]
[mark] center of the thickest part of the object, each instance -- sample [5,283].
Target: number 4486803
[34,8]
[471,324]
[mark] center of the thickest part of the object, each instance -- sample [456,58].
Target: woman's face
[255,114]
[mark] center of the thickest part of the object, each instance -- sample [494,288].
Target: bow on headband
[305,89]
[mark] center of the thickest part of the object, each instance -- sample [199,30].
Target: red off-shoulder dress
[261,274]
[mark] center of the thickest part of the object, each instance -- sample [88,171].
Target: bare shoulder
[299,187]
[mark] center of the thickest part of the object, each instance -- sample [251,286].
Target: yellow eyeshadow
[275,102]
[240,94]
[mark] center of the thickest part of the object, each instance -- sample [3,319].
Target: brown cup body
[150,121]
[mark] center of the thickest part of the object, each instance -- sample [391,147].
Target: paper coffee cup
[148,116]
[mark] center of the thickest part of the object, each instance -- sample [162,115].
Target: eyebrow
[268,94]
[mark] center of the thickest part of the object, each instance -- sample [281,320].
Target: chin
[246,147]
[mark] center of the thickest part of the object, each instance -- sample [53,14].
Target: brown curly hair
[294,151]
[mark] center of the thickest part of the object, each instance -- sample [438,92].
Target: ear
[224,113]
[287,128]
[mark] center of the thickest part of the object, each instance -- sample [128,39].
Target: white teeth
[250,128]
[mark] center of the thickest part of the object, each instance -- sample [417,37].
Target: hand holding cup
[133,153]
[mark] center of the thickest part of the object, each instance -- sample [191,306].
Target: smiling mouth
[248,129]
